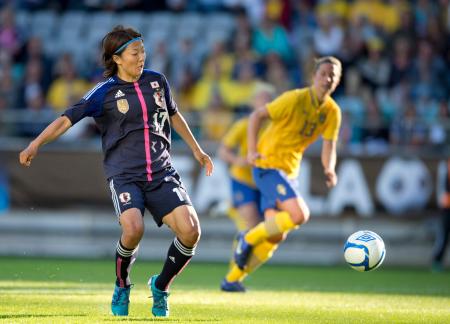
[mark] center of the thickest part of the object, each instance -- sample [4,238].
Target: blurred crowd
[395,54]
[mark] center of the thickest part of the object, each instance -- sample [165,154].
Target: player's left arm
[329,156]
[181,127]
[330,137]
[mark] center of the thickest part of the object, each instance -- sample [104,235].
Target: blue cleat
[242,251]
[160,304]
[234,286]
[120,301]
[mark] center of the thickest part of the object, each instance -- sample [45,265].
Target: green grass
[79,291]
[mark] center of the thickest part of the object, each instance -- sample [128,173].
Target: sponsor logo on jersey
[119,94]
[125,197]
[122,105]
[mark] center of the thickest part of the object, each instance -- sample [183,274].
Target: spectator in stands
[375,68]
[32,82]
[443,232]
[401,62]
[186,56]
[159,58]
[271,37]
[8,86]
[216,119]
[328,37]
[429,73]
[38,114]
[11,36]
[439,134]
[67,88]
[407,130]
[237,93]
[277,74]
[33,51]
[134,111]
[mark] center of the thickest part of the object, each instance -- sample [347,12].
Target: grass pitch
[79,291]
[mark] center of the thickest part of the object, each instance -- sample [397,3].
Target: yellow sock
[238,220]
[260,254]
[235,274]
[277,224]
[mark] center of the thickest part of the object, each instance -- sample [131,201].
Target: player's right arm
[255,121]
[58,127]
[233,139]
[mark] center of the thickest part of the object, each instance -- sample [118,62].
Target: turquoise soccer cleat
[160,306]
[235,286]
[120,301]
[242,251]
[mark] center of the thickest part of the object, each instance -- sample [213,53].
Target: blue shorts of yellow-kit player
[274,185]
[243,194]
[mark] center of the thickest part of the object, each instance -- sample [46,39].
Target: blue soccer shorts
[243,194]
[274,186]
[159,200]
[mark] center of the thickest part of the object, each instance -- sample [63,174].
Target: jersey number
[308,129]
[159,120]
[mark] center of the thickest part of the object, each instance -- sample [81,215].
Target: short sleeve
[282,105]
[172,107]
[234,136]
[91,105]
[331,131]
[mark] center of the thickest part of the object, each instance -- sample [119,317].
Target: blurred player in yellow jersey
[297,118]
[245,196]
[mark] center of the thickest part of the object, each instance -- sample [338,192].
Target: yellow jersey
[236,137]
[297,120]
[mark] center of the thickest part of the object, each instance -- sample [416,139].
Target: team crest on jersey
[125,197]
[281,189]
[122,105]
[159,98]
[322,117]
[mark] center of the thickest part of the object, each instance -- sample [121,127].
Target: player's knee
[190,237]
[134,230]
[300,216]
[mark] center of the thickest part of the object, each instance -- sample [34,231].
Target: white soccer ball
[364,251]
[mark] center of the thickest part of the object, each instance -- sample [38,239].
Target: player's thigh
[184,223]
[250,214]
[297,209]
[162,201]
[128,201]
[279,192]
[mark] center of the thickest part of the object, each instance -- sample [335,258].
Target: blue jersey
[133,119]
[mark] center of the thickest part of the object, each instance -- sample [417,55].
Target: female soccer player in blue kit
[134,110]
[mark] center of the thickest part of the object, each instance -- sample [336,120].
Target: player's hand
[205,161]
[331,178]
[240,161]
[28,154]
[252,157]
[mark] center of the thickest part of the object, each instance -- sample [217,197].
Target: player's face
[326,78]
[131,62]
